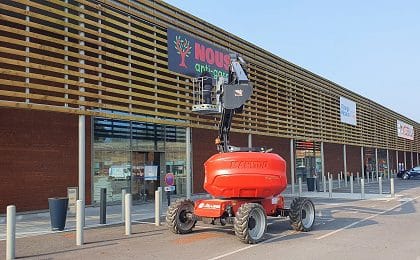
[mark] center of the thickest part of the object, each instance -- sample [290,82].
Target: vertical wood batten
[66,57]
[27,50]
[130,97]
[100,56]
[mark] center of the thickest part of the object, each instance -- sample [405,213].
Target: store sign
[348,111]
[119,171]
[190,56]
[150,172]
[405,130]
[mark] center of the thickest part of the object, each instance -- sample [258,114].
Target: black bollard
[168,196]
[102,210]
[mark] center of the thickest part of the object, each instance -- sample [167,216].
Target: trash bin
[58,212]
[310,182]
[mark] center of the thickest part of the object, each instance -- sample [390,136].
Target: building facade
[124,68]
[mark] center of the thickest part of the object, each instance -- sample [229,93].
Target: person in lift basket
[207,87]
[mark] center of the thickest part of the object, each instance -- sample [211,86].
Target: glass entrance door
[369,162]
[146,174]
[138,187]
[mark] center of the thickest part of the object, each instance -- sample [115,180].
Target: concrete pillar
[82,124]
[363,162]
[82,158]
[188,162]
[292,165]
[412,162]
[405,160]
[322,160]
[249,140]
[376,163]
[396,158]
[345,164]
[387,164]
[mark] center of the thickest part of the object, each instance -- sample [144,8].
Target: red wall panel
[39,157]
[354,160]
[334,161]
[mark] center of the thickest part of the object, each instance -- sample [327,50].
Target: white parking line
[251,246]
[367,218]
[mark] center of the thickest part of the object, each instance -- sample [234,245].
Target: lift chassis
[248,216]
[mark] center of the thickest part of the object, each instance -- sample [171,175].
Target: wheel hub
[252,223]
[183,216]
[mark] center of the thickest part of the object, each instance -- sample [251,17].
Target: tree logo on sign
[183,49]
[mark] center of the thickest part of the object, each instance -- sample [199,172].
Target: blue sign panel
[192,57]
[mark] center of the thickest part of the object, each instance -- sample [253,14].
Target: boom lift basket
[207,101]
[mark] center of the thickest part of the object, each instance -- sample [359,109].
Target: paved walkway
[30,224]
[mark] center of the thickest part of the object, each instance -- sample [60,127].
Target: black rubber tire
[405,176]
[302,214]
[245,222]
[176,218]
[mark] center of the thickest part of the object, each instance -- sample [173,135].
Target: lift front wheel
[250,223]
[179,216]
[302,214]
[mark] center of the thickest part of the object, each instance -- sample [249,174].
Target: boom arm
[233,97]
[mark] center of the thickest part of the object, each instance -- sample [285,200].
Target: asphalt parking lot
[384,228]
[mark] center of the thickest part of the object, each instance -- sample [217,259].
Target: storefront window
[111,134]
[308,159]
[175,157]
[135,156]
[112,171]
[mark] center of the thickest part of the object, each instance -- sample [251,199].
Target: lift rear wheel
[250,223]
[302,214]
[179,216]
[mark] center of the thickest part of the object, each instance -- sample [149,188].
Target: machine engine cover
[245,175]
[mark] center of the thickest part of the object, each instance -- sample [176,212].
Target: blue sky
[370,47]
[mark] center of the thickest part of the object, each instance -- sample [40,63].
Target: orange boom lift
[246,183]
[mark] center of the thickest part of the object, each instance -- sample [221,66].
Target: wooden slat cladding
[114,55]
